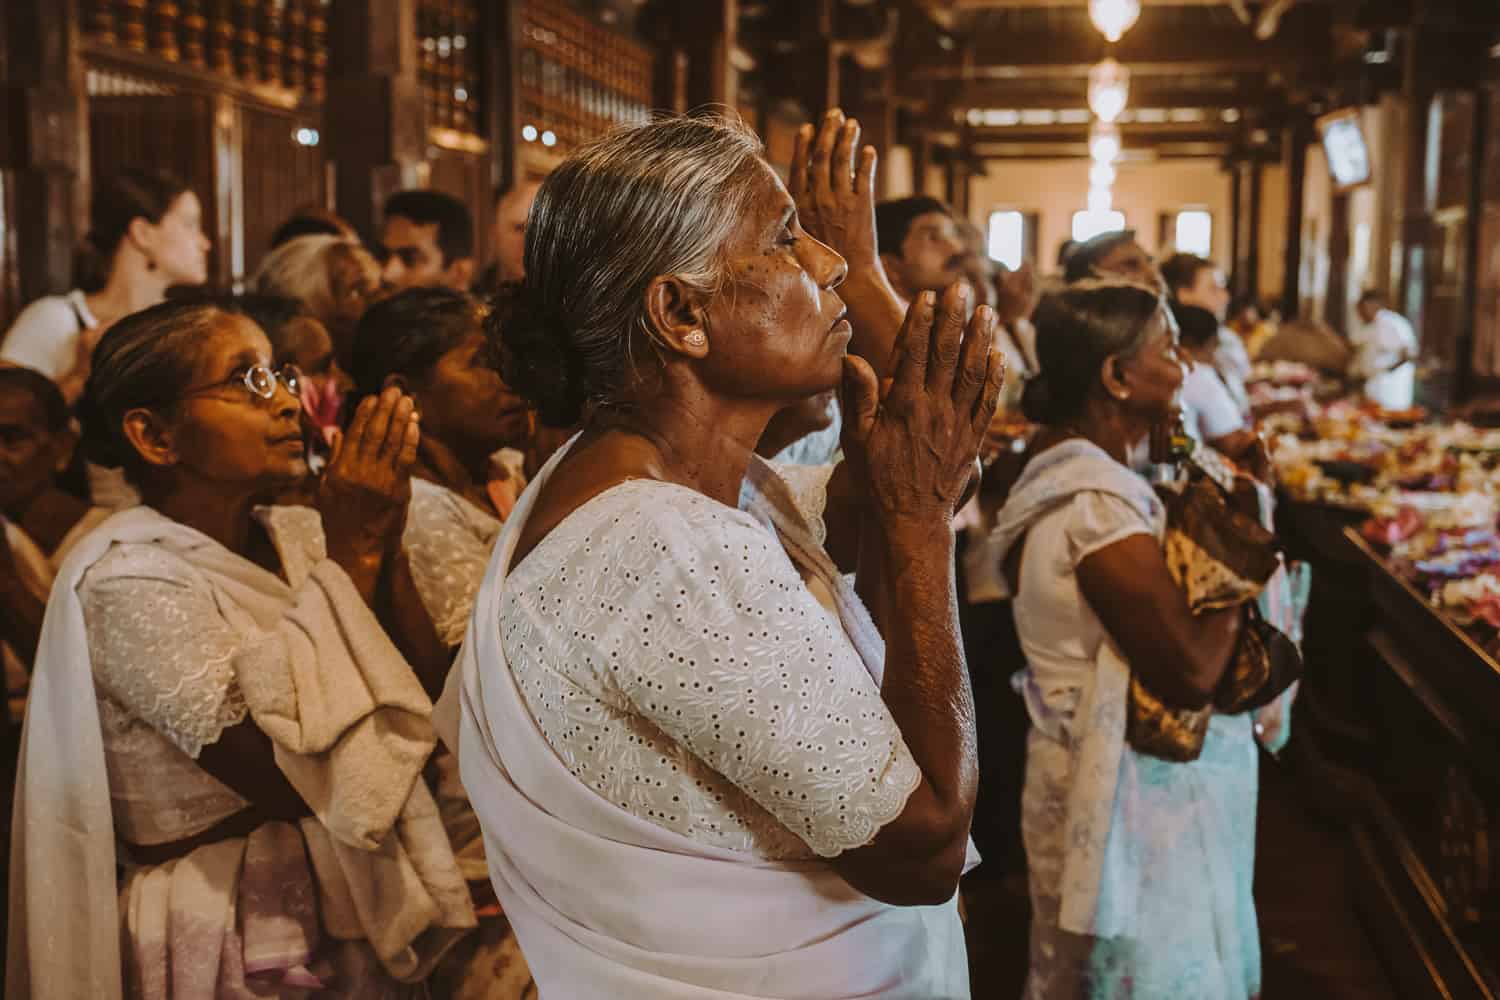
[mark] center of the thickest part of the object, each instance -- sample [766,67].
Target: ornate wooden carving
[163,18]
[247,39]
[317,46]
[272,21]
[193,28]
[132,24]
[221,36]
[294,51]
[102,20]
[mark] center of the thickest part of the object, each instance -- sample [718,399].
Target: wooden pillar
[870,99]
[818,63]
[502,74]
[1297,138]
[375,115]
[1423,146]
[44,138]
[1478,150]
[1236,230]
[1256,170]
[1336,305]
[709,32]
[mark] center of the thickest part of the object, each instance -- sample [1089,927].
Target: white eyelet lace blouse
[676,662]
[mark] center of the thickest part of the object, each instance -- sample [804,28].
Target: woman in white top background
[1209,412]
[146,229]
[700,771]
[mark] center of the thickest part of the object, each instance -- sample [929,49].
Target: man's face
[1368,310]
[413,258]
[931,257]
[1208,291]
[1130,261]
[510,231]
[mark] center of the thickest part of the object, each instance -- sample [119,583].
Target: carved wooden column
[374,118]
[500,27]
[1298,136]
[42,137]
[1236,262]
[1423,145]
[709,31]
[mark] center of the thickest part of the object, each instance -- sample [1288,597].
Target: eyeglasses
[258,380]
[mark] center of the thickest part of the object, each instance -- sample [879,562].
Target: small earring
[696,339]
[150,263]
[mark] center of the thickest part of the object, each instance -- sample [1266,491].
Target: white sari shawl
[610,905]
[351,729]
[1099,893]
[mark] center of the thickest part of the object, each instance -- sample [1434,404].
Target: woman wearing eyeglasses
[216,692]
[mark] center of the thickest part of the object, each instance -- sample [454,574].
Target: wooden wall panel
[1447,248]
[466,177]
[281,176]
[171,132]
[1487,322]
[10,275]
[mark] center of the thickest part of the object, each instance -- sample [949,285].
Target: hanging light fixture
[1104,142]
[1101,175]
[1101,200]
[1109,89]
[1114,17]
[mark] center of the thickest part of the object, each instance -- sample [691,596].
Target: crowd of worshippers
[589,626]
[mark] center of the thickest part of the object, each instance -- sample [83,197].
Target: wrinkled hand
[835,196]
[914,443]
[367,485]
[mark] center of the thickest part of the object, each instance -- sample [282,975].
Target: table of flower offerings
[1401,712]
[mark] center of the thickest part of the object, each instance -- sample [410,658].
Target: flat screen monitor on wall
[1344,145]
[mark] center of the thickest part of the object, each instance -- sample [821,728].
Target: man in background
[920,244]
[1385,355]
[1112,255]
[512,208]
[427,240]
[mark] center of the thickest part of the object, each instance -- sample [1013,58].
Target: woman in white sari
[1140,868]
[431,343]
[220,787]
[699,770]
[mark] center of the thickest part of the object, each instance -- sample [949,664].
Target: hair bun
[536,357]
[1036,399]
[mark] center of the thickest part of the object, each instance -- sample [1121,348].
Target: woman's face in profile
[776,330]
[1155,372]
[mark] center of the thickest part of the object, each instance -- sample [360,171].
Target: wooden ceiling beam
[1155,46]
[1149,92]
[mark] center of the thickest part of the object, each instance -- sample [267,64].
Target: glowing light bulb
[1114,17]
[528,132]
[1109,89]
[1104,143]
[1101,200]
[1101,175]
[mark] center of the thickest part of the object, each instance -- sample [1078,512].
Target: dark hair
[1180,270]
[116,203]
[1196,326]
[146,360]
[1085,255]
[407,334]
[893,219]
[273,314]
[455,235]
[1065,250]
[1077,328]
[644,201]
[304,225]
[1370,295]
[43,390]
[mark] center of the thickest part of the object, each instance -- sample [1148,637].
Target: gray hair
[640,203]
[299,269]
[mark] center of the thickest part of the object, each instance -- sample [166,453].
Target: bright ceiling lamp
[1100,201]
[1104,143]
[1109,89]
[1114,17]
[1101,175]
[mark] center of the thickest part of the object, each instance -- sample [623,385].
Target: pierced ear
[677,317]
[151,437]
[1114,377]
[64,443]
[140,232]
